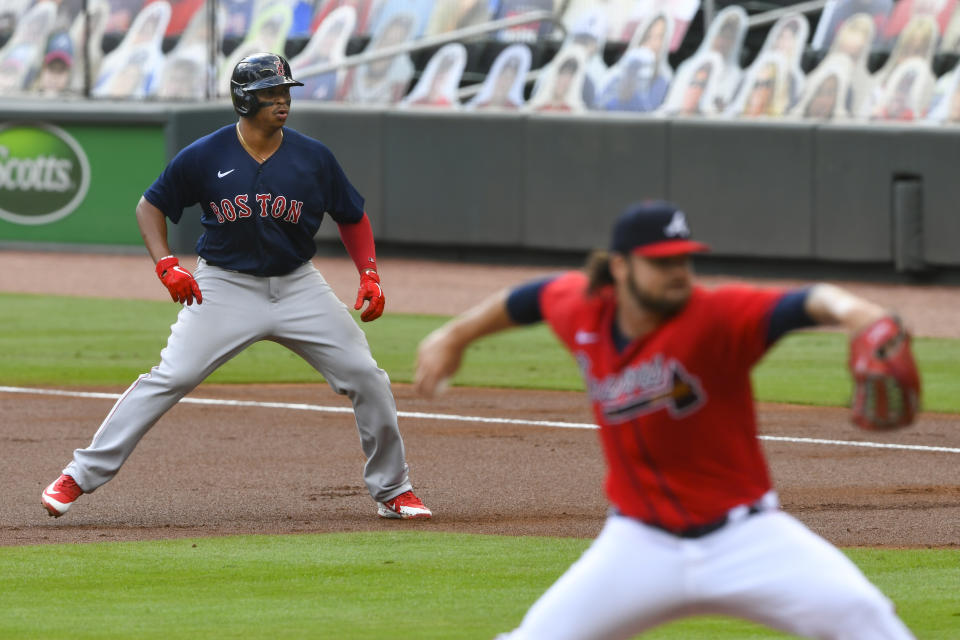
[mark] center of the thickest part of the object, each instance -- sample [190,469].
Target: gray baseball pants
[299,311]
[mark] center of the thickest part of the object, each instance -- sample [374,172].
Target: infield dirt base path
[213,470]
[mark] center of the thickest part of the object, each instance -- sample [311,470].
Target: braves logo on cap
[654,229]
[678,226]
[280,70]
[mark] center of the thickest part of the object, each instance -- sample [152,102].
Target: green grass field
[353,585]
[83,341]
[350,586]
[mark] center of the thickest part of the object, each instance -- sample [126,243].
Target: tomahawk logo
[678,226]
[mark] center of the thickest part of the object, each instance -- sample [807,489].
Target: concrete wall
[752,190]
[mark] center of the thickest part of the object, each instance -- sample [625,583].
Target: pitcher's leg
[318,327]
[775,571]
[630,579]
[203,337]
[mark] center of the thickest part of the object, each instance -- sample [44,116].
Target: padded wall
[746,187]
[755,190]
[453,179]
[581,172]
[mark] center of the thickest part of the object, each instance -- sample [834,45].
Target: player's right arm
[176,188]
[178,281]
[440,353]
[153,229]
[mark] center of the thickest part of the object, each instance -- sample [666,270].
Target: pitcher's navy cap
[654,229]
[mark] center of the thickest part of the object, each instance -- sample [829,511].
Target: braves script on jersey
[675,407]
[273,210]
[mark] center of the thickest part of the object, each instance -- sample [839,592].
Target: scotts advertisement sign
[44,173]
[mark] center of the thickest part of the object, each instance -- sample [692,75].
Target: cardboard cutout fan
[561,86]
[504,86]
[632,84]
[383,82]
[187,72]
[788,37]
[440,80]
[904,11]
[918,40]
[765,91]
[725,38]
[681,13]
[694,89]
[853,43]
[130,69]
[640,81]
[907,93]
[268,33]
[945,103]
[327,46]
[589,32]
[836,12]
[826,88]
[22,57]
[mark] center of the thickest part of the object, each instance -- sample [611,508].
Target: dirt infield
[213,470]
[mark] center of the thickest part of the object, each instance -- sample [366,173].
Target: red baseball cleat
[406,506]
[61,493]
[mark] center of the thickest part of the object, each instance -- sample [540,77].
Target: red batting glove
[179,281]
[370,290]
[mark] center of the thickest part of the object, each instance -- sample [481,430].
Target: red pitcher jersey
[675,408]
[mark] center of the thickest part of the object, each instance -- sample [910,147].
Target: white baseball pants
[768,568]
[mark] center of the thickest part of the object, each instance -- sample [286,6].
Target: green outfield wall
[68,180]
[885,196]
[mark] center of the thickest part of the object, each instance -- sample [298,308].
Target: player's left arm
[357,237]
[821,304]
[886,393]
[828,304]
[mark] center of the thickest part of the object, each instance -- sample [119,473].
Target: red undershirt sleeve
[357,237]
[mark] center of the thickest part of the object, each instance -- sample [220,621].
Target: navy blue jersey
[257,218]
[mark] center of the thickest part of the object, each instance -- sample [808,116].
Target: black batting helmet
[258,71]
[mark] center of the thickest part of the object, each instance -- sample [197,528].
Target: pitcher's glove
[886,384]
[370,290]
[179,281]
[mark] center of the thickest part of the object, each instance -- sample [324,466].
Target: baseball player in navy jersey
[263,189]
[694,526]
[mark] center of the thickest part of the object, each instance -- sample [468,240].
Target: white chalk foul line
[296,406]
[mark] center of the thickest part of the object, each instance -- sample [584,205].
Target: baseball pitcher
[694,526]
